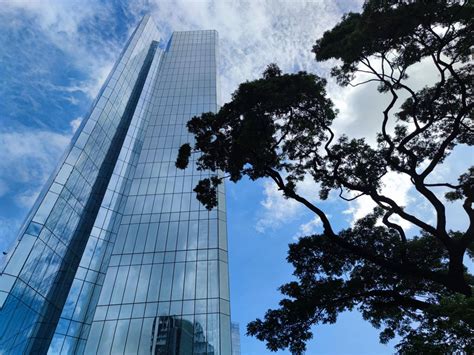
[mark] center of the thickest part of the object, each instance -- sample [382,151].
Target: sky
[56,55]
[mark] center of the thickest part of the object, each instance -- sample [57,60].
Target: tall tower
[117,255]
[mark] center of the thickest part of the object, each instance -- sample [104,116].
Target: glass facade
[235,333]
[117,255]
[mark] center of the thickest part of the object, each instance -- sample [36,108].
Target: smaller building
[235,333]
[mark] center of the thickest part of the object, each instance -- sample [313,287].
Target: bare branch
[444,184]
[363,82]
[349,199]
[395,226]
[401,212]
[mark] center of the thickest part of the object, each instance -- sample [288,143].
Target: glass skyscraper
[117,255]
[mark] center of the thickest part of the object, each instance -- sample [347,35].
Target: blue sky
[55,56]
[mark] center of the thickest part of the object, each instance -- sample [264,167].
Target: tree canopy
[279,127]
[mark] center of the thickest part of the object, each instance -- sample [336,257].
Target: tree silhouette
[279,127]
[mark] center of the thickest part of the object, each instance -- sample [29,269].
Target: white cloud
[8,227]
[395,186]
[308,228]
[73,29]
[253,34]
[277,210]
[361,108]
[75,123]
[27,159]
[27,198]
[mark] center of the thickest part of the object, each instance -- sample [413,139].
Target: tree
[279,127]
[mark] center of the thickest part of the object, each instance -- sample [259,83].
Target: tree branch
[443,184]
[350,199]
[406,269]
[396,296]
[395,226]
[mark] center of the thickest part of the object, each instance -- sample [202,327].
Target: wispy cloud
[56,55]
[395,186]
[278,211]
[8,227]
[75,123]
[308,228]
[361,108]
[255,33]
[27,159]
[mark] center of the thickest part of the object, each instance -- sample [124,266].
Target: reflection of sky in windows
[152,253]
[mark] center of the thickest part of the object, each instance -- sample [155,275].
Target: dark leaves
[404,27]
[184,153]
[271,124]
[465,188]
[331,280]
[206,192]
[271,71]
[447,328]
